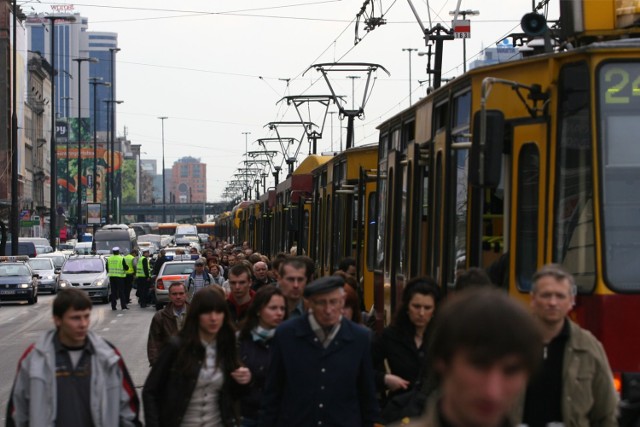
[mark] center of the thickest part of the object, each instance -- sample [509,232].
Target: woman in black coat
[267,311]
[400,352]
[196,376]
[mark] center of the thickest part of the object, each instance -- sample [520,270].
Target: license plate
[7,292]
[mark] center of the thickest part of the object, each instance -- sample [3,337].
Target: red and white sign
[461,28]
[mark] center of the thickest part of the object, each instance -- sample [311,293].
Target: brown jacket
[163,326]
[588,394]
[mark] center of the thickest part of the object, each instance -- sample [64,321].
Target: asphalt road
[22,324]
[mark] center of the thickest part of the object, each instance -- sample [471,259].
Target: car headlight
[24,285]
[49,277]
[65,284]
[97,282]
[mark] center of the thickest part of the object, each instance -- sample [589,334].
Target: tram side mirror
[485,163]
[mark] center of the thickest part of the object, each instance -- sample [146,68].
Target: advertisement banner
[94,213]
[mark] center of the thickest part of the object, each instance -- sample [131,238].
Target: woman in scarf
[267,311]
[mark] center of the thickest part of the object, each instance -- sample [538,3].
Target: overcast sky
[217,68]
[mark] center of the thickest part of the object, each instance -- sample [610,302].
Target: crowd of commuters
[252,341]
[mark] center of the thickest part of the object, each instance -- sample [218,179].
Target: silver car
[86,272]
[47,271]
[171,272]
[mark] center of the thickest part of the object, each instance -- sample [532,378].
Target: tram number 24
[617,81]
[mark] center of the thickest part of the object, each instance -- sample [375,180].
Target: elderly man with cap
[321,372]
[143,278]
[117,268]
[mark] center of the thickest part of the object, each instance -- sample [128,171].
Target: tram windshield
[619,127]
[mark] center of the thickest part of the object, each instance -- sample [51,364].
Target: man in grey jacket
[73,362]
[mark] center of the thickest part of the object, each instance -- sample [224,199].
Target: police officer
[143,277]
[116,267]
[130,273]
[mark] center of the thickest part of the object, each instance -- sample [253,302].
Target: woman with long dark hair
[266,312]
[400,352]
[198,373]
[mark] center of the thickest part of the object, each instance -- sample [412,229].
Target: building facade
[189,180]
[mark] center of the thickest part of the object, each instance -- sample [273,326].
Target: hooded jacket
[33,400]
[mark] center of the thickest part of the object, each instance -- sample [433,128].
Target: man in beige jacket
[574,385]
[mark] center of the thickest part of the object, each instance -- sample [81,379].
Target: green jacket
[588,394]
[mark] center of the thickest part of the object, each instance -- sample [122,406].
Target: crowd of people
[252,341]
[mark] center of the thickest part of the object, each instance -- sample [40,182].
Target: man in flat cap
[321,372]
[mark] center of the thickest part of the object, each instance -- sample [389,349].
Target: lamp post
[164,179]
[112,158]
[66,99]
[112,129]
[95,81]
[464,14]
[53,149]
[79,129]
[409,49]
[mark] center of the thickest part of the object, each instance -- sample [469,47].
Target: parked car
[172,272]
[86,272]
[47,271]
[17,280]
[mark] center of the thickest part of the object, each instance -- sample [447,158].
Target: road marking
[11,318]
[105,329]
[120,315]
[114,321]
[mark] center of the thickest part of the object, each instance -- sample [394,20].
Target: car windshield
[83,265]
[40,264]
[14,270]
[108,245]
[180,268]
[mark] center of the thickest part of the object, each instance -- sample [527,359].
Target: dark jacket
[256,356]
[405,360]
[167,391]
[163,326]
[308,385]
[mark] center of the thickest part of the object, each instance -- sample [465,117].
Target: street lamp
[66,99]
[112,162]
[409,49]
[96,81]
[79,129]
[112,129]
[464,14]
[53,149]
[164,179]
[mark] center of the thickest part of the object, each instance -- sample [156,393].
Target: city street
[22,324]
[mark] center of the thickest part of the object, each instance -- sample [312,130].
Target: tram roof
[309,164]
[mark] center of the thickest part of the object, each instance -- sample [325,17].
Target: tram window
[437,225]
[383,147]
[389,232]
[574,227]
[440,117]
[527,215]
[408,134]
[458,243]
[371,229]
[403,220]
[382,222]
[462,110]
[620,173]
[395,140]
[327,229]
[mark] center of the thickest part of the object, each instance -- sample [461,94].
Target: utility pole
[246,157]
[353,90]
[164,179]
[332,113]
[409,49]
